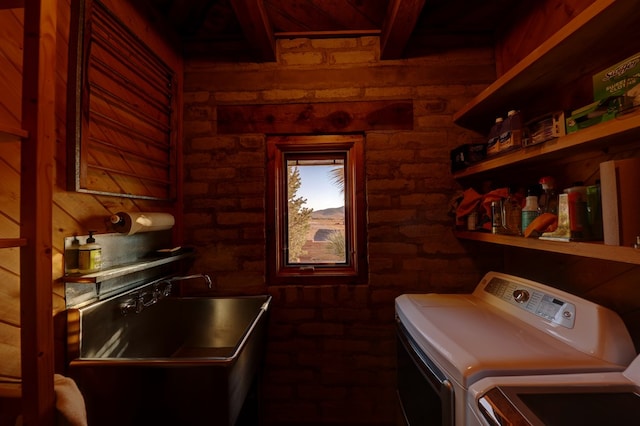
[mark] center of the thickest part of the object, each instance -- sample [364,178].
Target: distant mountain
[327,213]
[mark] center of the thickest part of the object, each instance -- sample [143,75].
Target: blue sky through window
[318,187]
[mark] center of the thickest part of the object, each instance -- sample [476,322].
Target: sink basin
[178,361]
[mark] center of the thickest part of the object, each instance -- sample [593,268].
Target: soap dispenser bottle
[71,256]
[90,256]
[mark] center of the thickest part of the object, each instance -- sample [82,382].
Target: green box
[618,80]
[595,113]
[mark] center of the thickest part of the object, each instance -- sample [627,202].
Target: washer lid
[469,339]
[561,398]
[557,406]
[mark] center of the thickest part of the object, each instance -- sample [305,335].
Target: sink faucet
[205,277]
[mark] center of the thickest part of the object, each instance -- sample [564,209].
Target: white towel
[69,401]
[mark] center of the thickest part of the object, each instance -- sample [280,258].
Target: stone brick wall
[331,350]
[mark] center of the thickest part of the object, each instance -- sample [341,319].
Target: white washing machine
[508,326]
[590,399]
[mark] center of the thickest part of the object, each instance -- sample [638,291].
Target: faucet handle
[166,291]
[128,306]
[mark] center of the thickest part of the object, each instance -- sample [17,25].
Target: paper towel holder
[134,222]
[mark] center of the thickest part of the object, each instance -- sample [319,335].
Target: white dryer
[508,326]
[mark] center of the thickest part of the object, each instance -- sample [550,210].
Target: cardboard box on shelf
[594,113]
[544,128]
[621,79]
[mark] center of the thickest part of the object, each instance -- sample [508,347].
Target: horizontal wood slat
[329,117]
[12,242]
[10,134]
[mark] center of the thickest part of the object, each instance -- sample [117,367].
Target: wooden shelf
[596,250]
[9,134]
[12,242]
[123,270]
[582,47]
[624,127]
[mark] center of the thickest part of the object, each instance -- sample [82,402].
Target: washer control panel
[534,301]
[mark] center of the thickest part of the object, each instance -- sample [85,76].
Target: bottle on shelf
[512,214]
[548,200]
[578,213]
[530,210]
[493,142]
[89,256]
[511,134]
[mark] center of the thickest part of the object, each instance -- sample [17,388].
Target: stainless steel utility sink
[140,359]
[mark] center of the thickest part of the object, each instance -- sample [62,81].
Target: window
[315,209]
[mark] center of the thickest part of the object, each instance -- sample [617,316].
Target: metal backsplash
[132,257]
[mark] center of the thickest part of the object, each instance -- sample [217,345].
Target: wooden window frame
[355,269]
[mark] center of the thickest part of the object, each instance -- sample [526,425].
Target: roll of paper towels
[134,222]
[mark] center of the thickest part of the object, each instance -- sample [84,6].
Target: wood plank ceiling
[246,30]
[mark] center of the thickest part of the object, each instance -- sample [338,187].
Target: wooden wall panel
[9,311]
[72,212]
[9,321]
[539,20]
[79,212]
[9,228]
[9,190]
[11,66]
[9,352]
[10,287]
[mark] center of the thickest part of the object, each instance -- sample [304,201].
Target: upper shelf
[578,49]
[623,127]
[595,250]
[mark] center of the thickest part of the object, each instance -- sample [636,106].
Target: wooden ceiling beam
[256,26]
[401,18]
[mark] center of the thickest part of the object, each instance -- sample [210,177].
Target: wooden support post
[37,174]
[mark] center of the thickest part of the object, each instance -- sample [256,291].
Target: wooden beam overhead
[256,26]
[402,16]
[316,118]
